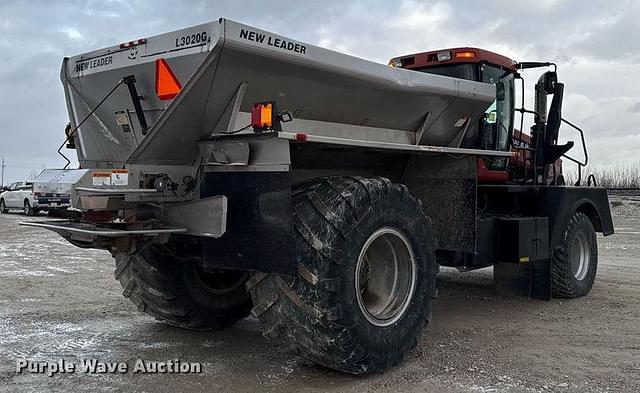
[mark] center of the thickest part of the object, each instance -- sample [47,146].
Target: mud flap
[530,279]
[525,268]
[259,235]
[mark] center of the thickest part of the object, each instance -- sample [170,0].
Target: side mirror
[549,80]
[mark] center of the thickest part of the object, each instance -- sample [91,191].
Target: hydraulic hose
[73,131]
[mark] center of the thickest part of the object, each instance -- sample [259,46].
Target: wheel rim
[26,208]
[385,276]
[580,256]
[2,207]
[220,282]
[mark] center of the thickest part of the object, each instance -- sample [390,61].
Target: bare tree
[34,173]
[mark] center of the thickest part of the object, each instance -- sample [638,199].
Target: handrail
[579,163]
[522,111]
[584,144]
[584,150]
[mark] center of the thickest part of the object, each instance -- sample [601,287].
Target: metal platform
[91,232]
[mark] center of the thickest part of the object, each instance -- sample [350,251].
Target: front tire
[575,261]
[179,292]
[365,276]
[3,207]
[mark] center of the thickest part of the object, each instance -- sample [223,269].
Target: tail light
[68,133]
[262,116]
[265,117]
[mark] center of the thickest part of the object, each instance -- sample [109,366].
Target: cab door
[11,197]
[26,192]
[497,124]
[18,195]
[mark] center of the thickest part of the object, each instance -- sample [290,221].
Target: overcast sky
[595,43]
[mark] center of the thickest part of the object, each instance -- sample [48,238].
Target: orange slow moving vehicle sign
[167,85]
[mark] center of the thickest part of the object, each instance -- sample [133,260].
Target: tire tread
[563,282]
[305,315]
[153,286]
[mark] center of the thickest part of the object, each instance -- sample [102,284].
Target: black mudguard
[518,270]
[259,232]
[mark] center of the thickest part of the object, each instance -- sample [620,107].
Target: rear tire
[574,262]
[365,276]
[28,210]
[180,293]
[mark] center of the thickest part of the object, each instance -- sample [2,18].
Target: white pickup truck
[20,195]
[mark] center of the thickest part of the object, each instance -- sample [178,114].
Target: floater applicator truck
[230,170]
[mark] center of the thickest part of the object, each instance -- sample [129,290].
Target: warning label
[120,177]
[101,178]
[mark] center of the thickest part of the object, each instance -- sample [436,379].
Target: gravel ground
[61,302]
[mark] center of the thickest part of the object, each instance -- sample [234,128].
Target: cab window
[499,115]
[462,71]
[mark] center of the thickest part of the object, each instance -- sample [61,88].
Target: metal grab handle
[584,144]
[584,150]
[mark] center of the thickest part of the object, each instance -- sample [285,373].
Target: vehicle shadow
[244,357]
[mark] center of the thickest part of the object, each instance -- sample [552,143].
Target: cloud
[420,17]
[72,33]
[635,106]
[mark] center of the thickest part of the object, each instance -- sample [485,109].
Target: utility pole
[2,181]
